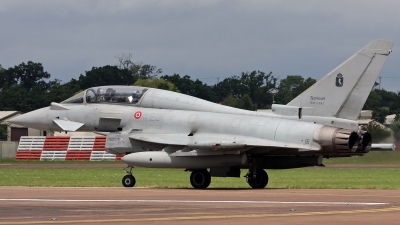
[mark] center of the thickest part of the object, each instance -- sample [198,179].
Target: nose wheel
[129,180]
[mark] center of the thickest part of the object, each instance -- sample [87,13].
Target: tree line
[27,86]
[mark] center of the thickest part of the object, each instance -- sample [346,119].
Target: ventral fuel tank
[164,160]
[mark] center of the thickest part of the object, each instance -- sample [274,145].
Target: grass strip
[351,178]
[371,158]
[13,161]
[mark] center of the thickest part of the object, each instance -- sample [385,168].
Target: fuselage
[122,111]
[122,121]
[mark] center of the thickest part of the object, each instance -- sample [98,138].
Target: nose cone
[36,119]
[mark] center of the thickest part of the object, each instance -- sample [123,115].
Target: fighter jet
[163,129]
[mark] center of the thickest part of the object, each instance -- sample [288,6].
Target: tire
[128,181]
[200,179]
[260,181]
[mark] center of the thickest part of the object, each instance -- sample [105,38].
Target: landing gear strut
[256,177]
[200,179]
[129,180]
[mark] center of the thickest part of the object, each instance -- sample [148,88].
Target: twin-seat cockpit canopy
[128,95]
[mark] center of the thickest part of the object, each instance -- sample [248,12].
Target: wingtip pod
[343,91]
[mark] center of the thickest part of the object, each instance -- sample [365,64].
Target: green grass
[371,178]
[13,161]
[371,158]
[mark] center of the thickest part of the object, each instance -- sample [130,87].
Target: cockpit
[125,95]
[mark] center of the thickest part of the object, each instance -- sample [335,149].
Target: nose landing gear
[129,180]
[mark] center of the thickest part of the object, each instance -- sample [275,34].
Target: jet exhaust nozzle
[336,140]
[365,143]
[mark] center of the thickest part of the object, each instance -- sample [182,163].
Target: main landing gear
[129,180]
[200,179]
[256,177]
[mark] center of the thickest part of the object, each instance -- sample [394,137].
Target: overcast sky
[203,39]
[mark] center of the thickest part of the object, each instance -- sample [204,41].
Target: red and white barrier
[63,148]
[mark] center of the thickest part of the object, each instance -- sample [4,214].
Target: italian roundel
[137,115]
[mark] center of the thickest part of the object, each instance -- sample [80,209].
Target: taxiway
[48,205]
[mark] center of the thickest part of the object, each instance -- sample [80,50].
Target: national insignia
[339,80]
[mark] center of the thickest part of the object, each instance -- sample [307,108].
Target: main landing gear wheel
[200,179]
[260,181]
[128,181]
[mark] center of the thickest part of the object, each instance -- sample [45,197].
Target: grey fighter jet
[163,129]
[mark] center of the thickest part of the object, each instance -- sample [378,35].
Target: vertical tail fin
[342,92]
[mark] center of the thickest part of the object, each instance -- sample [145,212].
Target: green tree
[106,75]
[379,114]
[232,101]
[373,101]
[59,92]
[2,77]
[291,87]
[256,84]
[382,103]
[390,100]
[244,102]
[26,75]
[155,82]
[193,88]
[25,87]
[19,98]
[3,131]
[137,70]
[248,103]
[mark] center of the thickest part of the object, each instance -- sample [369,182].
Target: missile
[162,159]
[383,147]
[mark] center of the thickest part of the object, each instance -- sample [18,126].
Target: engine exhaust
[336,140]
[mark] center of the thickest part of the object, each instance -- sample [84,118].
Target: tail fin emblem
[339,80]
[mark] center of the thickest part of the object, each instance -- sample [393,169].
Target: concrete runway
[36,205]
